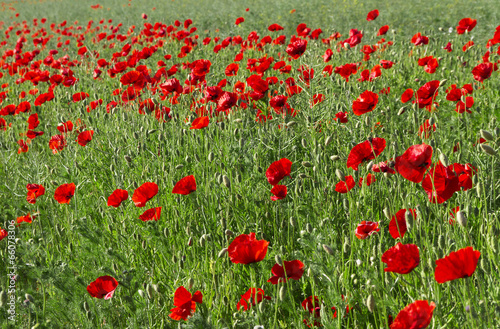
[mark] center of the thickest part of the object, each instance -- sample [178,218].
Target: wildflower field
[195,164]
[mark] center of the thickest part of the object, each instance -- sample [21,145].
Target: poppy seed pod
[461,218]
[328,249]
[488,149]
[370,303]
[486,135]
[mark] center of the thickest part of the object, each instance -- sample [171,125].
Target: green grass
[68,246]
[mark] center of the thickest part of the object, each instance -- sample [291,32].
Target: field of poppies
[205,165]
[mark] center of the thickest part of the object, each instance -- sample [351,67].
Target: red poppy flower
[65,127]
[482,71]
[3,234]
[429,63]
[457,265]
[464,174]
[424,131]
[366,102]
[151,214]
[226,101]
[64,193]
[34,191]
[292,270]
[448,47]
[279,192]
[407,95]
[296,47]
[245,249]
[344,187]
[466,25]
[185,303]
[103,287]
[366,228]
[3,124]
[144,193]
[347,70]
[419,39]
[312,304]
[440,183]
[468,45]
[427,93]
[354,39]
[341,117]
[462,107]
[23,146]
[85,137]
[24,219]
[117,197]
[372,15]
[33,121]
[185,186]
[57,143]
[199,123]
[413,164]
[80,96]
[402,258]
[365,151]
[370,178]
[384,167]
[416,315]
[252,297]
[383,30]
[278,170]
[397,225]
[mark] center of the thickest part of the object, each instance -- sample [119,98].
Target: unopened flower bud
[461,218]
[226,181]
[328,249]
[488,149]
[222,253]
[278,260]
[486,135]
[370,303]
[340,174]
[306,164]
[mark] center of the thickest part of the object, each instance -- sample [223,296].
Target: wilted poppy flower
[402,258]
[103,287]
[185,186]
[278,170]
[246,249]
[366,228]
[252,297]
[366,102]
[482,71]
[466,25]
[372,15]
[185,303]
[365,151]
[292,270]
[117,197]
[144,193]
[34,191]
[24,219]
[279,192]
[457,265]
[151,214]
[64,193]
[199,123]
[416,315]
[57,143]
[344,187]
[440,183]
[85,137]
[413,164]
[419,39]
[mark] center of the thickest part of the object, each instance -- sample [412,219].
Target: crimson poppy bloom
[57,143]
[427,94]
[448,47]
[429,63]
[312,304]
[413,164]
[33,121]
[3,234]
[372,15]
[34,191]
[407,95]
[365,151]
[252,297]
[464,174]
[85,137]
[144,193]
[185,303]
[424,131]
[397,225]
[440,183]
[64,193]
[117,197]
[292,270]
[466,25]
[80,96]
[416,315]
[402,258]
[185,186]
[296,47]
[366,228]
[151,214]
[370,178]
[346,70]
[418,39]
[366,102]
[462,107]
[65,127]
[457,265]
[24,219]
[199,123]
[232,69]
[23,146]
[279,192]
[278,170]
[246,249]
[345,186]
[103,287]
[341,117]
[482,71]
[383,30]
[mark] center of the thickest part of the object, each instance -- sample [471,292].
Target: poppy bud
[309,272]
[442,82]
[370,303]
[369,166]
[367,120]
[229,233]
[211,156]
[461,218]
[432,121]
[334,157]
[141,293]
[340,174]
[306,164]
[53,183]
[226,181]
[345,203]
[328,140]
[483,264]
[278,260]
[328,249]
[488,149]
[282,293]
[190,241]
[190,283]
[187,159]
[241,142]
[444,160]
[149,291]
[235,131]
[291,124]
[308,228]
[222,253]
[387,213]
[409,220]
[486,135]
[304,143]
[128,159]
[202,240]
[292,221]
[441,241]
[165,232]
[417,80]
[3,298]
[86,306]
[302,176]
[179,166]
[144,246]
[238,120]
[347,46]
[89,315]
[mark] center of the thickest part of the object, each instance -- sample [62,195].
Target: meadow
[195,164]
